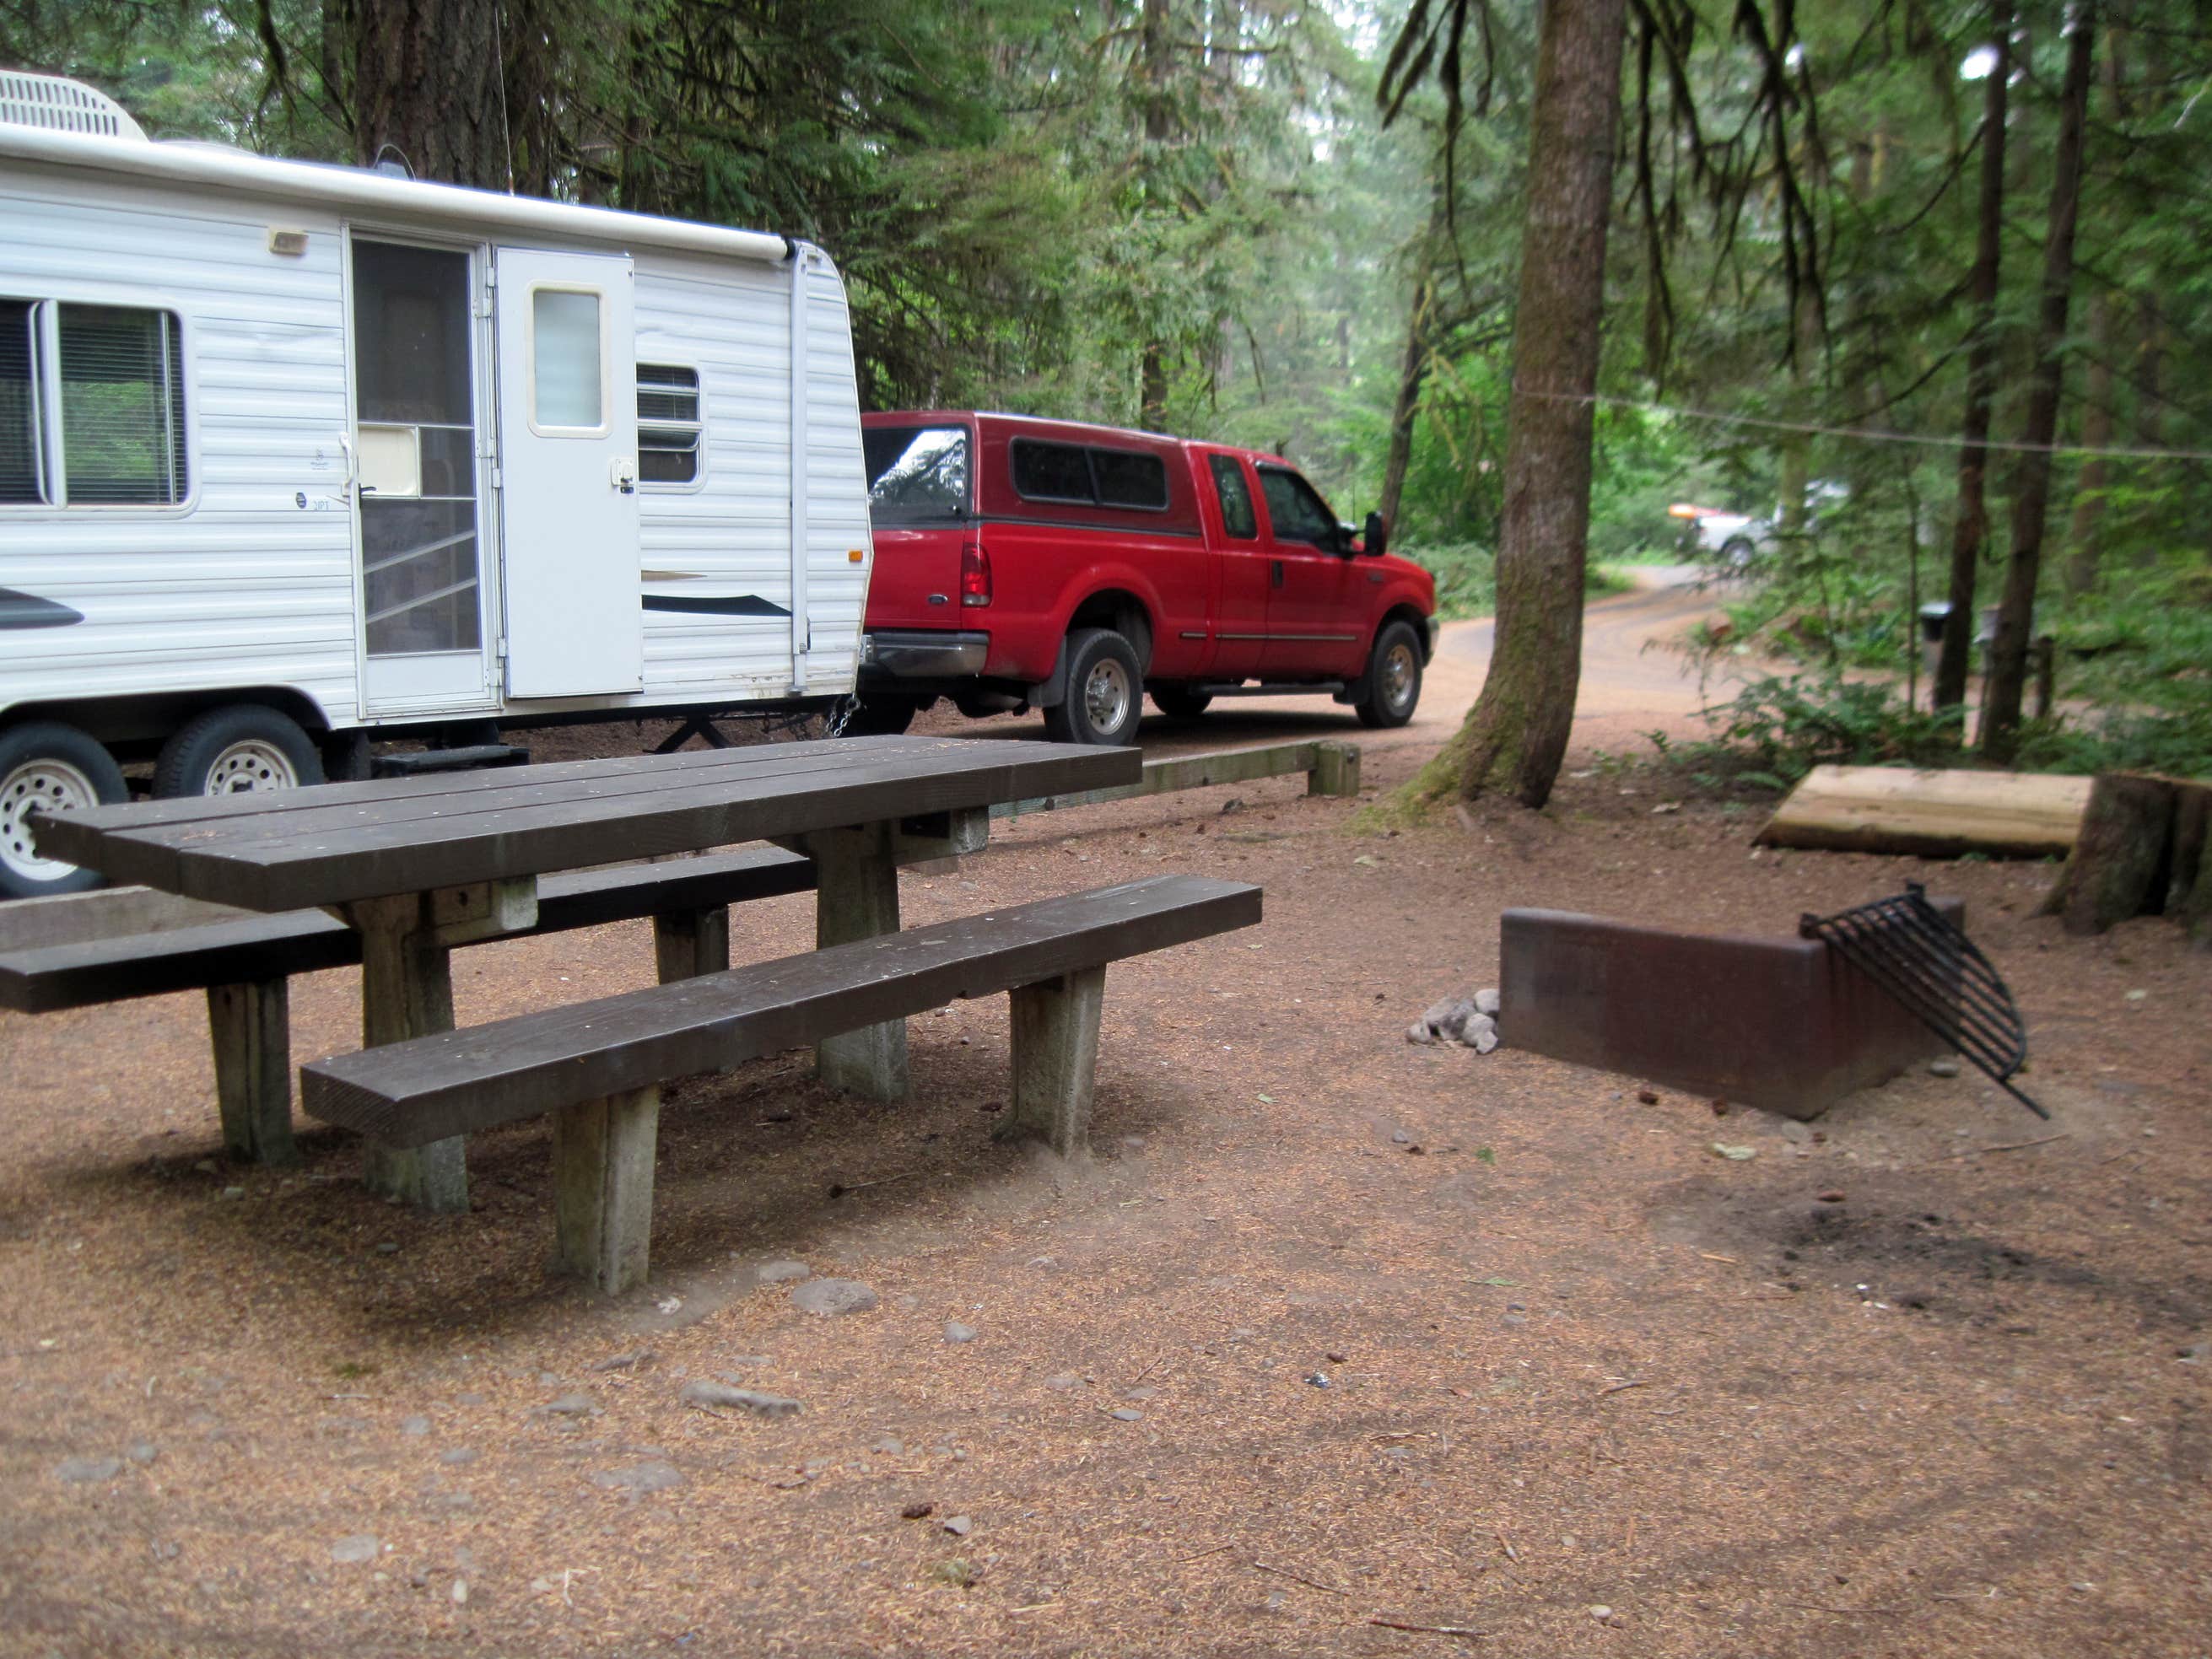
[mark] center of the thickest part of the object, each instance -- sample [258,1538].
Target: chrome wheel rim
[1106,696]
[1401,674]
[250,767]
[50,785]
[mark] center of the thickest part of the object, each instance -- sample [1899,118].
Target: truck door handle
[1277,573]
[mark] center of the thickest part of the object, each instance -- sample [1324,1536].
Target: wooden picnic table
[419,865]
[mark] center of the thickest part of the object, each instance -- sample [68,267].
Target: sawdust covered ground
[1573,1360]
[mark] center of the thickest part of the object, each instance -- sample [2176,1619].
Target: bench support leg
[602,1153]
[407,991]
[1335,771]
[1055,1060]
[856,897]
[250,1030]
[689,943]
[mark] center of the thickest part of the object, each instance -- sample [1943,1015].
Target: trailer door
[567,456]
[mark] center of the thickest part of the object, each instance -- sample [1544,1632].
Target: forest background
[1205,216]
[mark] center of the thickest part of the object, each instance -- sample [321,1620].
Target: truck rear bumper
[922,654]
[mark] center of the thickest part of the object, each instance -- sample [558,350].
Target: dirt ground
[1334,1336]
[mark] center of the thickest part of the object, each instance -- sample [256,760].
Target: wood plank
[256,947]
[415,1093]
[1884,809]
[1162,777]
[105,913]
[373,861]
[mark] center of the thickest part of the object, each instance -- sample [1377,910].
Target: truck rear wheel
[1105,691]
[1391,686]
[1180,701]
[244,748]
[52,767]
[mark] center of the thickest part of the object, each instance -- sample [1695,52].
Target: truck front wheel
[1388,691]
[1105,691]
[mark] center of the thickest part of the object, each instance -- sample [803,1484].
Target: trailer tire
[244,748]
[58,767]
[883,715]
[1105,691]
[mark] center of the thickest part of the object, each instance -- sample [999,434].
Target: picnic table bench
[419,865]
[597,1066]
[78,950]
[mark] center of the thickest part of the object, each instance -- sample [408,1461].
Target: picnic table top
[340,842]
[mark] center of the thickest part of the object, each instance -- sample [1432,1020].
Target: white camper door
[568,457]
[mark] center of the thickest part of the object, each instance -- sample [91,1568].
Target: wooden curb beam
[1331,768]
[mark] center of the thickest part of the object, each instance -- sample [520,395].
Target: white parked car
[1734,539]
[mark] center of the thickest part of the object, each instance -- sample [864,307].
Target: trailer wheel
[247,748]
[55,769]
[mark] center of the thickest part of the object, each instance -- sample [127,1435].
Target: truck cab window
[1297,513]
[1236,515]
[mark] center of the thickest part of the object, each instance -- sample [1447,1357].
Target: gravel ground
[1332,1330]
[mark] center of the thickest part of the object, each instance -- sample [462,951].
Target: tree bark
[1414,369]
[2031,493]
[426,81]
[1515,735]
[1970,526]
[1159,126]
[2121,861]
[2084,533]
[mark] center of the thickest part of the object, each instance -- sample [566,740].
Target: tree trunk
[426,81]
[1515,736]
[1414,369]
[2084,544]
[2121,863]
[1970,526]
[2031,492]
[1160,124]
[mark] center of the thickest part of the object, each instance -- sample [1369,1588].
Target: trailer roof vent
[60,105]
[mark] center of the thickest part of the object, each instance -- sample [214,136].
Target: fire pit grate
[1915,953]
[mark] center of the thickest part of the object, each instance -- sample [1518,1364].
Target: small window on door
[1237,518]
[669,426]
[568,384]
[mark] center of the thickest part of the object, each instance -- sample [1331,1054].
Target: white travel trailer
[292,453]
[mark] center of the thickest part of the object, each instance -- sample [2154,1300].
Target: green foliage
[1780,726]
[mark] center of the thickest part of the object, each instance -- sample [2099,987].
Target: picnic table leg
[602,1153]
[689,943]
[407,991]
[252,1036]
[1055,1060]
[856,897]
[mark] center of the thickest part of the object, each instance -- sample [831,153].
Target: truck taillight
[975,574]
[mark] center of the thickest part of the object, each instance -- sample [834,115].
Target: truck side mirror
[1378,534]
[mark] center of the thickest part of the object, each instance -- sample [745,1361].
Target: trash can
[1932,615]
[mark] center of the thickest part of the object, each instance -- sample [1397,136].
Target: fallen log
[1935,814]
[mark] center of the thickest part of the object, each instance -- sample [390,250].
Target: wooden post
[1335,769]
[603,1156]
[2189,892]
[689,943]
[855,897]
[250,1026]
[407,991]
[1055,1038]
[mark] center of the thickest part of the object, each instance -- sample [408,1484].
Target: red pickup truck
[1023,564]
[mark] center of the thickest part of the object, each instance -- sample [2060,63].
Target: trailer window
[566,383]
[21,476]
[669,427]
[123,406]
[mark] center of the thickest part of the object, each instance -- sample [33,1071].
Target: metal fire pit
[1932,970]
